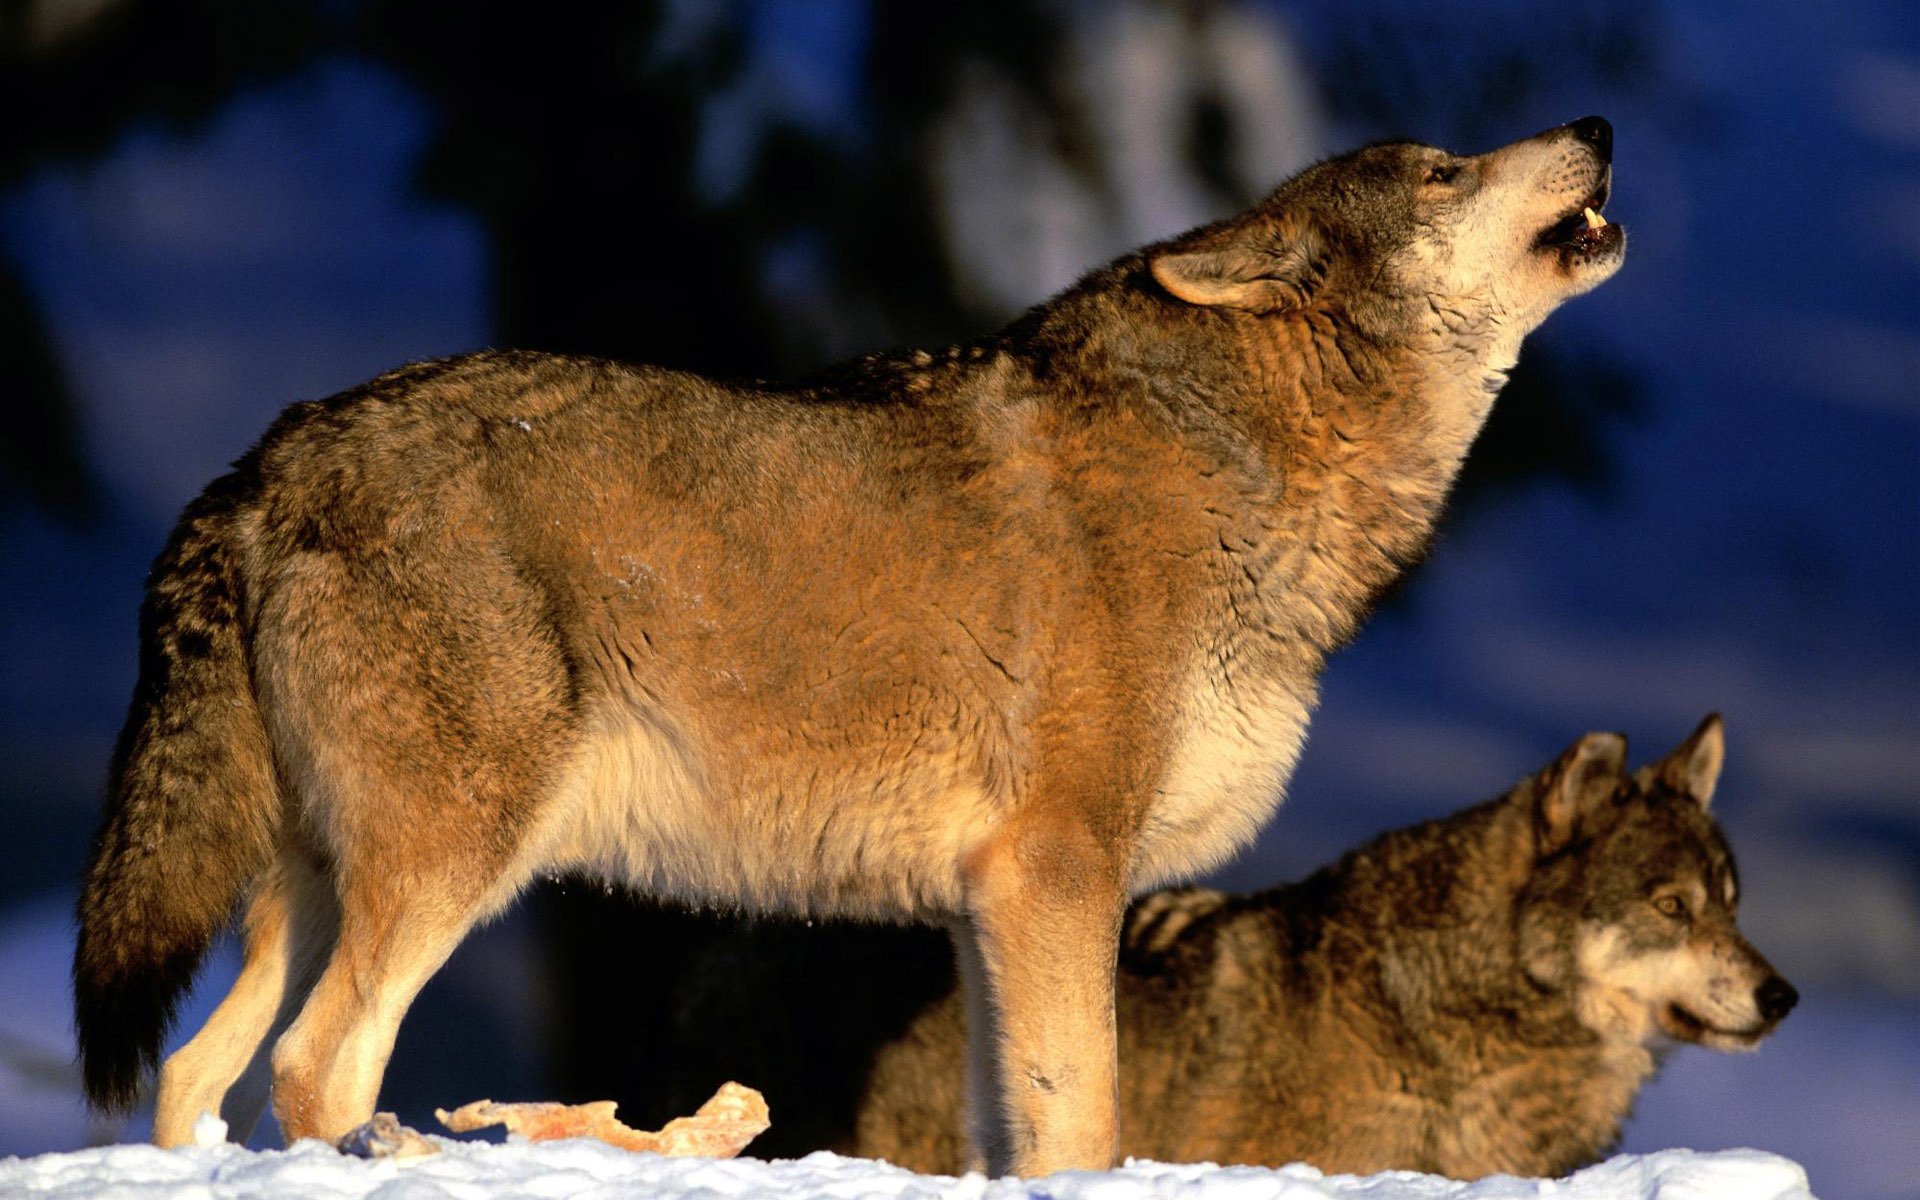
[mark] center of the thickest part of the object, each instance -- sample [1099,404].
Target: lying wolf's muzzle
[1775,999]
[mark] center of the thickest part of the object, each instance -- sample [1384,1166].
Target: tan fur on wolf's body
[1482,993]
[992,636]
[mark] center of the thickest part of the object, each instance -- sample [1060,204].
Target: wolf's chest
[1235,744]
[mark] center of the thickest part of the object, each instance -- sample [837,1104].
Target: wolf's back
[192,810]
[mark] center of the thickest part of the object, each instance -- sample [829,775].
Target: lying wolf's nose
[1597,132]
[1775,998]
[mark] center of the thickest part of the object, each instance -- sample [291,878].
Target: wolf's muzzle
[1596,132]
[1775,998]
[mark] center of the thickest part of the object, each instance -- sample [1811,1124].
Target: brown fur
[1484,993]
[992,636]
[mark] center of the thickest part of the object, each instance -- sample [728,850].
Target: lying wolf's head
[1474,250]
[1633,895]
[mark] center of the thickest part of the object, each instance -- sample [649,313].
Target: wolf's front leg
[1037,956]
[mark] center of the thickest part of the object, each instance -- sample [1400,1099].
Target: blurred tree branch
[87,70]
[40,459]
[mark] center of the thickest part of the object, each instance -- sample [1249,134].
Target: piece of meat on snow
[720,1129]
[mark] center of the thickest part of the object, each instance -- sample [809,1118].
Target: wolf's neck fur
[1441,912]
[1357,426]
[1461,878]
[1365,438]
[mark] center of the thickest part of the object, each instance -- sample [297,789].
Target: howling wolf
[993,636]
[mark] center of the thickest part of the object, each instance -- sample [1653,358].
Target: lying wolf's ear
[1581,781]
[1693,768]
[1264,270]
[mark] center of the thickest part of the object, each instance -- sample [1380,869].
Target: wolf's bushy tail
[192,811]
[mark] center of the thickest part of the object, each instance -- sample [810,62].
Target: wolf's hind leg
[289,928]
[394,933]
[425,711]
[314,920]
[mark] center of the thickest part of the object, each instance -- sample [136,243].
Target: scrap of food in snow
[384,1137]
[720,1129]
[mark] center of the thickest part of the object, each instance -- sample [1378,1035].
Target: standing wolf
[993,636]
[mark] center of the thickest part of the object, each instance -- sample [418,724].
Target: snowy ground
[1836,1090]
[585,1169]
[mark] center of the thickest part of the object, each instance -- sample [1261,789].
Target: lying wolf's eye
[1443,173]
[1671,906]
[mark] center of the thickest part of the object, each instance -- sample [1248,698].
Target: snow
[217,1170]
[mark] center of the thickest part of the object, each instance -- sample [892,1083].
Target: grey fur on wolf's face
[1634,903]
[1490,242]
[1631,896]
[1474,249]
[1511,226]
[1657,944]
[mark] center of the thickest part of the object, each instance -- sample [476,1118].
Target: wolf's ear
[1582,780]
[1693,768]
[1264,271]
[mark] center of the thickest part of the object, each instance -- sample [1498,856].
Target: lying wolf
[1483,993]
[993,636]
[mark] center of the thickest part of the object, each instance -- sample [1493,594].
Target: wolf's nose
[1598,133]
[1775,998]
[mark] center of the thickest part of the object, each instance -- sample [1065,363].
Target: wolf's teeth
[1594,219]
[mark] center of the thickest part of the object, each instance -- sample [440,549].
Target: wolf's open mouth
[1583,230]
[1680,1023]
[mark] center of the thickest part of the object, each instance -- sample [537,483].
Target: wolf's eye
[1671,906]
[1442,173]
